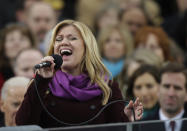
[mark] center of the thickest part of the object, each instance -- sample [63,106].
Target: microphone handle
[41,65]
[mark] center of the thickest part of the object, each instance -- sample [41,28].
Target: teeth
[65,52]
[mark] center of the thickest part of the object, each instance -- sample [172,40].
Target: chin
[66,66]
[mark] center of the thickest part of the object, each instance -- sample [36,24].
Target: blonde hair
[127,39]
[92,60]
[152,11]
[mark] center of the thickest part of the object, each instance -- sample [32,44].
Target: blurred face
[172,92]
[30,59]
[114,47]
[110,17]
[124,4]
[69,40]
[182,4]
[146,88]
[11,104]
[135,19]
[15,42]
[28,3]
[153,45]
[41,19]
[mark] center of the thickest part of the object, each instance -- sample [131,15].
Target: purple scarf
[73,87]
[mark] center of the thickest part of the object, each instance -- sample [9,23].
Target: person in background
[144,83]
[107,15]
[30,57]
[84,79]
[90,7]
[40,18]
[154,39]
[172,96]
[12,95]
[134,18]
[115,44]
[14,38]
[21,7]
[133,62]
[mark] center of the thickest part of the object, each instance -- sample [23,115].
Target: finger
[130,105]
[48,58]
[136,103]
[139,117]
[139,108]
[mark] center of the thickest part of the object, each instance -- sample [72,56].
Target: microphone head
[57,60]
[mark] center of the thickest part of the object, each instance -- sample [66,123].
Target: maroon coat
[69,111]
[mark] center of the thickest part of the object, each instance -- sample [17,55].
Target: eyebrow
[69,35]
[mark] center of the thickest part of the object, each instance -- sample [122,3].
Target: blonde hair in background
[152,11]
[125,35]
[92,60]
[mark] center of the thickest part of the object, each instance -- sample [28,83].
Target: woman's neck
[74,72]
[113,60]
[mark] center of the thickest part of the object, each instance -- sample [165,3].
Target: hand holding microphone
[48,65]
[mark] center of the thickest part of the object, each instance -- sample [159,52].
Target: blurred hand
[47,72]
[138,110]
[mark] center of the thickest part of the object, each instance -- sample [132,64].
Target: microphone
[57,60]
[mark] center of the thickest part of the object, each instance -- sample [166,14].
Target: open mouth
[65,52]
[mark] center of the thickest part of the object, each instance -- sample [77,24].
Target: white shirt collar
[178,124]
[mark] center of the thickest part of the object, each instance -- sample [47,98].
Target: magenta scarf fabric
[73,87]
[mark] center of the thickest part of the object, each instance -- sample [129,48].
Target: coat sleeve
[30,110]
[115,111]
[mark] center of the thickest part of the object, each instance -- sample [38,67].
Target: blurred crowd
[143,44]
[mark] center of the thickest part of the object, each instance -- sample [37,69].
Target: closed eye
[58,39]
[72,38]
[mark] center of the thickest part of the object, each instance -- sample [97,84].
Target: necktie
[172,124]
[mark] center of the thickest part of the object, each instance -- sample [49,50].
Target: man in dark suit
[12,95]
[172,94]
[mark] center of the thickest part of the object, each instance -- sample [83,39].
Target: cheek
[121,49]
[81,53]
[56,47]
[8,47]
[26,44]
[153,94]
[137,93]
[106,47]
[182,97]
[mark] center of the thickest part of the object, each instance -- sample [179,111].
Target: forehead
[30,54]
[68,30]
[14,32]
[135,15]
[173,78]
[145,78]
[15,91]
[41,9]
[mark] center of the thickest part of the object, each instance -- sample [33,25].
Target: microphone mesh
[57,60]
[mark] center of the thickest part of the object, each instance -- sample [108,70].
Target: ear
[2,105]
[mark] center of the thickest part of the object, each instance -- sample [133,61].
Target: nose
[65,42]
[171,91]
[144,91]
[133,29]
[42,23]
